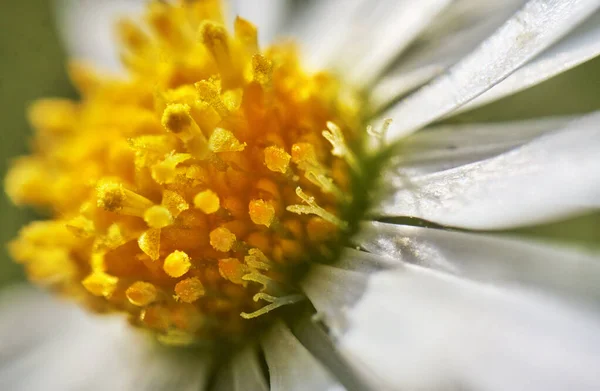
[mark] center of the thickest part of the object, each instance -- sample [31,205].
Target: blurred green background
[32,65]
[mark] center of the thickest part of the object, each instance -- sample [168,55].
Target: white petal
[322,27]
[89,352]
[419,330]
[87,28]
[538,25]
[490,258]
[461,27]
[383,34]
[333,289]
[444,147]
[581,45]
[267,15]
[552,177]
[291,366]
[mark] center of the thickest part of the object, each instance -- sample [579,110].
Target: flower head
[222,194]
[195,190]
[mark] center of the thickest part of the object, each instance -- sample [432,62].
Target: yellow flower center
[188,194]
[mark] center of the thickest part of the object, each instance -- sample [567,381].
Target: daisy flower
[282,201]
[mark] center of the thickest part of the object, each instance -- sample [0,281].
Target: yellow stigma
[186,194]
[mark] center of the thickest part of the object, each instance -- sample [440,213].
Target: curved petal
[444,147]
[78,351]
[535,27]
[291,366]
[419,329]
[550,178]
[87,28]
[580,46]
[490,258]
[461,27]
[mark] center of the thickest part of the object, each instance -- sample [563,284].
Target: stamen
[177,264]
[158,216]
[257,260]
[313,208]
[261,212]
[100,284]
[222,239]
[141,293]
[340,149]
[247,34]
[207,201]
[233,270]
[222,140]
[149,243]
[277,159]
[189,290]
[113,197]
[276,302]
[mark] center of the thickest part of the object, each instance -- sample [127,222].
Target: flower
[292,229]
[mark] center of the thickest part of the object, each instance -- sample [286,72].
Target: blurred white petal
[87,28]
[444,147]
[580,46]
[419,329]
[383,32]
[321,29]
[80,351]
[552,177]
[291,366]
[489,258]
[242,373]
[535,27]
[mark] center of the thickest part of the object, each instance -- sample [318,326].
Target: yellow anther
[158,216]
[177,264]
[114,197]
[233,270]
[261,212]
[277,159]
[189,290]
[209,92]
[149,243]
[207,201]
[100,284]
[262,69]
[177,119]
[222,239]
[222,140]
[81,226]
[214,37]
[174,202]
[247,34]
[141,293]
[165,171]
[313,208]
